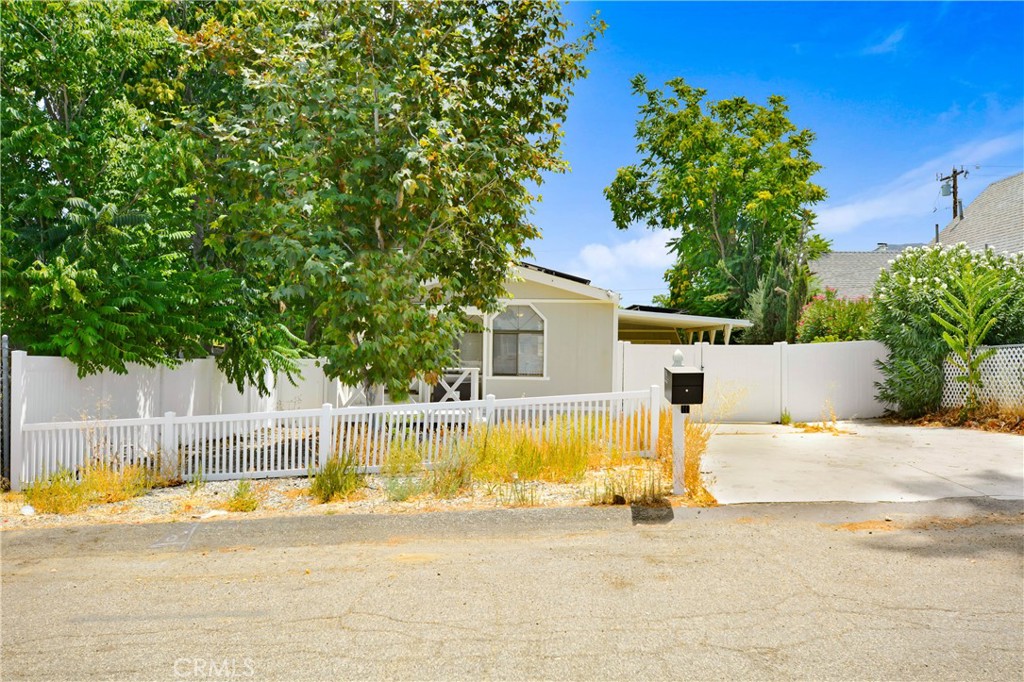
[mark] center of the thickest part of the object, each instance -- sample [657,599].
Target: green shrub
[336,480]
[968,314]
[905,298]
[830,318]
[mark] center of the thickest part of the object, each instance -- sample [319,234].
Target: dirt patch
[278,497]
[421,558]
[928,523]
[990,419]
[870,526]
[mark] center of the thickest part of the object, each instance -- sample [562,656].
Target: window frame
[490,345]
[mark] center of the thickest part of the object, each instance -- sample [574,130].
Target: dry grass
[828,422]
[243,499]
[64,492]
[403,470]
[642,483]
[988,417]
[517,494]
[336,479]
[560,452]
[698,434]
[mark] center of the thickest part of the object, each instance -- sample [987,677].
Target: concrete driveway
[872,462]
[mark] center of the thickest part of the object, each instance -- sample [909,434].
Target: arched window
[518,345]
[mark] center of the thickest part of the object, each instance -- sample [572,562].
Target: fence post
[5,415]
[18,410]
[168,445]
[678,451]
[783,380]
[325,433]
[618,366]
[655,407]
[489,408]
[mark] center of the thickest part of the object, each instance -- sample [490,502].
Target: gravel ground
[290,497]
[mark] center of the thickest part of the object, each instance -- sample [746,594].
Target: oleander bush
[827,317]
[907,295]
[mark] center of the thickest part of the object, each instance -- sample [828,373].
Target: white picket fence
[290,442]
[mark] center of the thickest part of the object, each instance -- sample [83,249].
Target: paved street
[743,592]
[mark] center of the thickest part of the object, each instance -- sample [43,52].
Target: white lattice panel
[1002,377]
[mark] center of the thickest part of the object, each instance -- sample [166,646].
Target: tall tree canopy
[733,180]
[352,173]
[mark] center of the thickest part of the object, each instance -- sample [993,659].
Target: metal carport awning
[642,324]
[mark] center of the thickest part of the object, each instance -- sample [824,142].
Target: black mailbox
[684,385]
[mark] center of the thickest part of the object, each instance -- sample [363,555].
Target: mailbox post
[684,386]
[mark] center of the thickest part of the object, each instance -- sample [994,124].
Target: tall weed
[243,499]
[403,470]
[452,473]
[336,480]
[637,484]
[64,492]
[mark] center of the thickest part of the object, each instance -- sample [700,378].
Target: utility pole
[945,192]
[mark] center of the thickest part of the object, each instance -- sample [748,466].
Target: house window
[470,351]
[518,343]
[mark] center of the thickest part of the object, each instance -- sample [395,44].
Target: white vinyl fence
[1002,379]
[293,442]
[759,383]
[48,388]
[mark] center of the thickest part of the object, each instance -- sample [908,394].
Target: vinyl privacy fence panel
[759,383]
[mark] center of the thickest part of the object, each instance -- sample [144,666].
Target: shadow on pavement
[987,482]
[651,514]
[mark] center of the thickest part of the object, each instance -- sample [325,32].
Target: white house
[558,333]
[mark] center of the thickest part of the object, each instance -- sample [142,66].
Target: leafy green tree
[733,179]
[99,262]
[381,170]
[187,177]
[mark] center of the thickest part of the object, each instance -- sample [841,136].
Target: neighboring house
[853,273]
[995,219]
[558,333]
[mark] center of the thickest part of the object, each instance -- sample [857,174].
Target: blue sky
[895,92]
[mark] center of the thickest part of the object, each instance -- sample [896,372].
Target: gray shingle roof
[995,218]
[851,273]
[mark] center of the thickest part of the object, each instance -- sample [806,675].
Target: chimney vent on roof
[882,246]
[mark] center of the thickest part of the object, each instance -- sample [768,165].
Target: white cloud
[626,265]
[912,194]
[889,44]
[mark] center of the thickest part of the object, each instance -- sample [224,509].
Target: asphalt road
[742,592]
